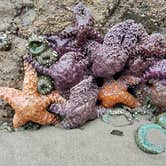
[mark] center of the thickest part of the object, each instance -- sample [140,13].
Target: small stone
[117,132]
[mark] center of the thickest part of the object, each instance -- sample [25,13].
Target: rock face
[22,17]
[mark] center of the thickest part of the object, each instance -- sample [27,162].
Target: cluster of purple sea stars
[84,56]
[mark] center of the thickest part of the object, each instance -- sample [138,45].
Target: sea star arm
[41,69]
[18,121]
[30,79]
[129,100]
[157,71]
[43,118]
[46,118]
[129,80]
[8,94]
[87,32]
[55,97]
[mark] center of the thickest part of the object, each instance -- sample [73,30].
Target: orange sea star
[27,103]
[115,92]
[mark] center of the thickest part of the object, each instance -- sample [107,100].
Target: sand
[92,145]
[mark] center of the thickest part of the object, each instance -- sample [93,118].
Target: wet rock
[11,64]
[155,10]
[6,126]
[59,14]
[146,21]
[7,12]
[11,73]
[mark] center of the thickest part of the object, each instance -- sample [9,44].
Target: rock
[7,12]
[10,64]
[146,21]
[117,132]
[59,14]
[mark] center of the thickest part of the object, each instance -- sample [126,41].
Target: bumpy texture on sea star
[81,105]
[156,71]
[153,46]
[125,47]
[114,92]
[67,72]
[148,52]
[28,104]
[125,53]
[72,38]
[119,43]
[137,65]
[157,92]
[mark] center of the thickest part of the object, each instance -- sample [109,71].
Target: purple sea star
[66,72]
[119,44]
[72,38]
[80,107]
[156,71]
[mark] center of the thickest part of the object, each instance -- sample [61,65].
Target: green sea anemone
[37,45]
[44,85]
[47,58]
[144,144]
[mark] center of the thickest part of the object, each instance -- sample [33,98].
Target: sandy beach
[93,145]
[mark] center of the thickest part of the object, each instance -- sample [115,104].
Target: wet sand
[92,145]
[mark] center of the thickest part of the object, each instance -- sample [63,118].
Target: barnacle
[5,42]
